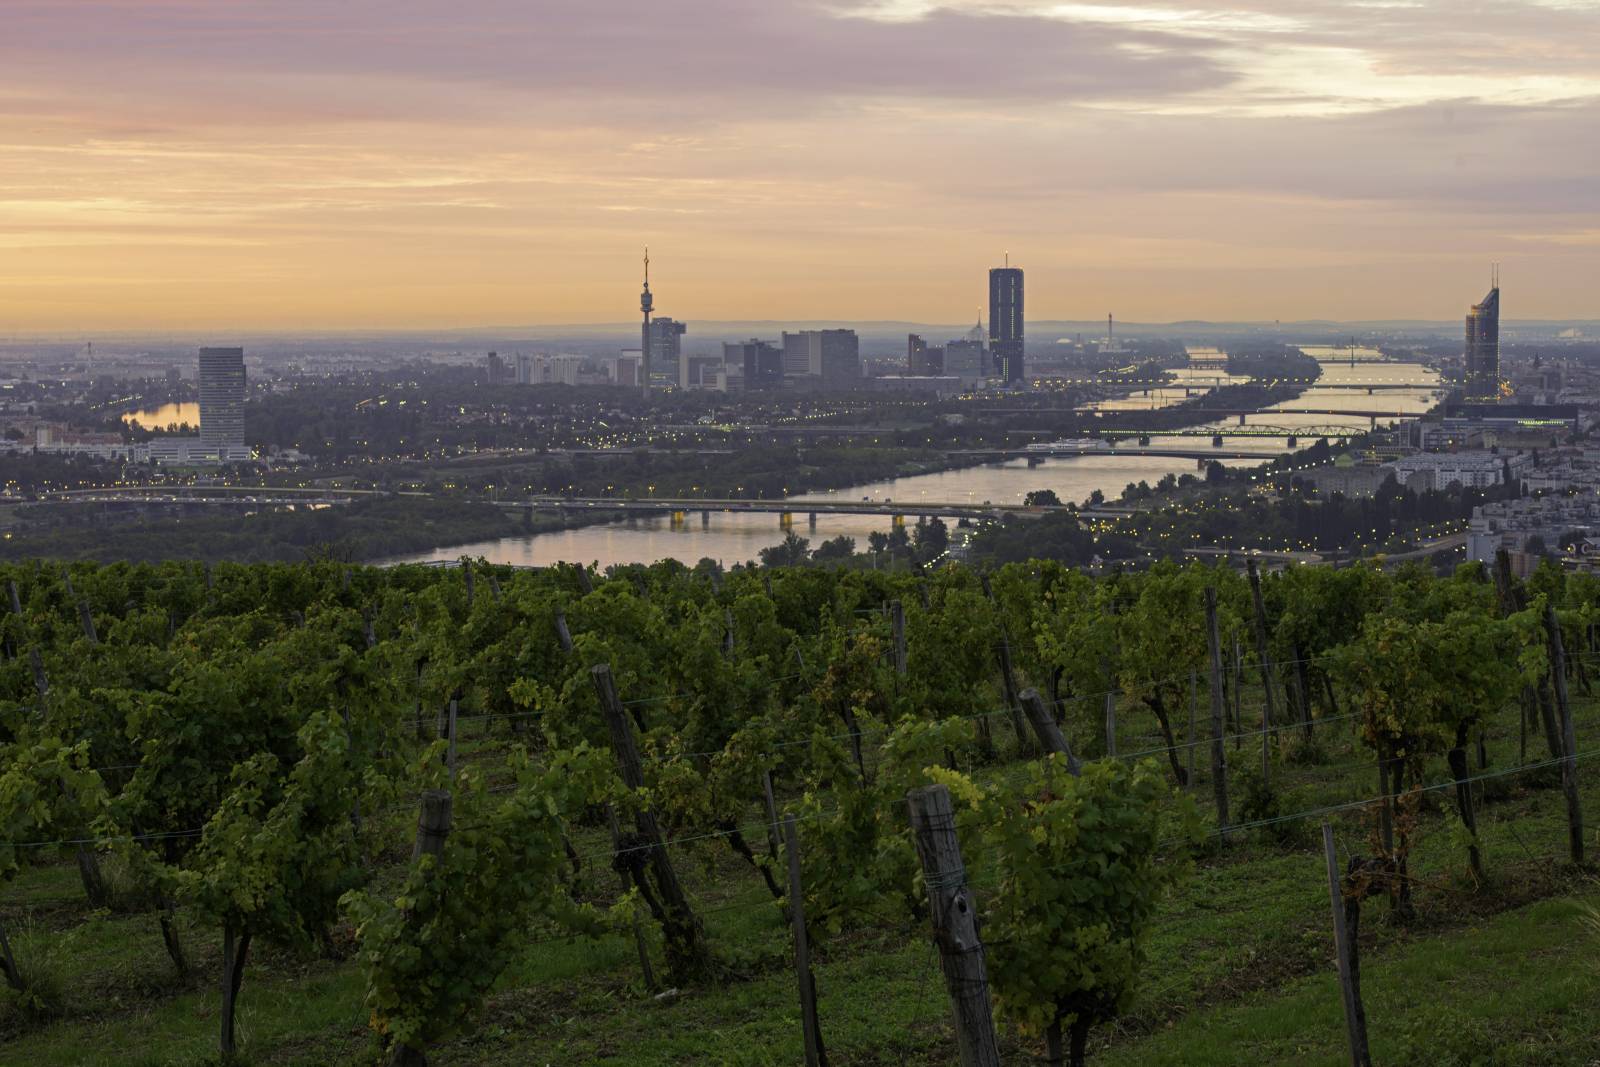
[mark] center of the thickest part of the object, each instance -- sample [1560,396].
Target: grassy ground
[1240,964]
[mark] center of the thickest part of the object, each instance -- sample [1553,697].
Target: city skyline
[174,165]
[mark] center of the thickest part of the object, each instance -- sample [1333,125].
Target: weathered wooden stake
[1457,760]
[1189,738]
[1051,739]
[86,621]
[8,963]
[1354,1015]
[563,634]
[771,803]
[450,733]
[1569,740]
[41,681]
[433,824]
[235,949]
[897,614]
[1008,685]
[640,943]
[1386,810]
[1111,723]
[1219,758]
[1234,688]
[815,1056]
[1269,713]
[955,925]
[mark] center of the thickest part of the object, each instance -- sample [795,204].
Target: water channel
[733,538]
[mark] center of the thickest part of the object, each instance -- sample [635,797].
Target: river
[159,418]
[735,538]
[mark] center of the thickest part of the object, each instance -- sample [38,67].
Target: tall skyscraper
[1005,322]
[647,303]
[222,398]
[1483,346]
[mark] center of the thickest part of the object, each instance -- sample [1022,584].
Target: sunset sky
[283,164]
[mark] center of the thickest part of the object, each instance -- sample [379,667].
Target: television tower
[647,303]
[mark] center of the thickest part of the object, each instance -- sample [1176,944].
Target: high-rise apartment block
[761,361]
[666,346]
[1483,347]
[222,399]
[1006,323]
[831,357]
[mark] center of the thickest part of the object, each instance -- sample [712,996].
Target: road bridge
[681,508]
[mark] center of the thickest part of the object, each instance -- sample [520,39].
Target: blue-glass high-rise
[1005,323]
[1483,348]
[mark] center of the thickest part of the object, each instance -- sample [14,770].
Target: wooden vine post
[1219,757]
[1111,723]
[685,941]
[955,925]
[1569,740]
[1189,738]
[563,635]
[897,614]
[1051,739]
[1008,684]
[640,943]
[1269,713]
[816,1056]
[1355,1016]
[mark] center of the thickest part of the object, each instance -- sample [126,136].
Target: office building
[797,353]
[923,360]
[762,363]
[964,360]
[666,347]
[499,372]
[831,357]
[623,368]
[701,371]
[1006,323]
[222,399]
[1483,347]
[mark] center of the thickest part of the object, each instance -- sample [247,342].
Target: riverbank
[363,529]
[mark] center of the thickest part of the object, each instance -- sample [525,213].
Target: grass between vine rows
[1240,965]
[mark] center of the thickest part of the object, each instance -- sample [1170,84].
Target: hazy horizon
[210,165]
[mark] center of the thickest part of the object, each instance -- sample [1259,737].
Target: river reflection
[1341,401]
[159,418]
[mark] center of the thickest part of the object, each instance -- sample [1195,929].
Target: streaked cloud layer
[222,163]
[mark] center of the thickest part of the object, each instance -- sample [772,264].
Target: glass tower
[1005,323]
[1483,348]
